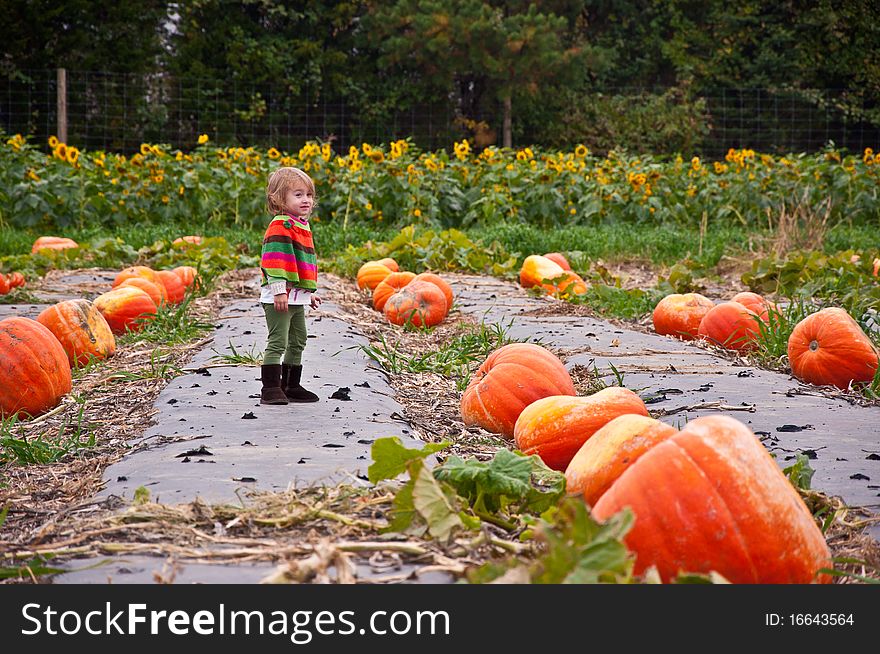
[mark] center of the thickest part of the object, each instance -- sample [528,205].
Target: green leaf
[141,495]
[800,473]
[433,504]
[391,458]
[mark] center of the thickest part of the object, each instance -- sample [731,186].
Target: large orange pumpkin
[730,325]
[755,302]
[156,290]
[610,451]
[174,288]
[556,427]
[828,348]
[188,275]
[559,259]
[370,274]
[509,380]
[440,283]
[53,243]
[420,303]
[390,263]
[711,498]
[81,329]
[389,286]
[125,308]
[679,314]
[34,371]
[536,269]
[135,272]
[5,286]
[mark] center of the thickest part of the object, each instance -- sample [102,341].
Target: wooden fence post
[61,100]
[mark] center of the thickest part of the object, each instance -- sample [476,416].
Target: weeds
[172,325]
[236,357]
[44,448]
[158,368]
[771,340]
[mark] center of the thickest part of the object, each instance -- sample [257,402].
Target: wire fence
[118,112]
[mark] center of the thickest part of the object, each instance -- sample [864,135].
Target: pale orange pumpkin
[730,325]
[53,243]
[536,269]
[81,329]
[389,286]
[188,275]
[756,303]
[680,314]
[440,283]
[509,380]
[556,427]
[187,240]
[390,263]
[126,308]
[175,291]
[134,272]
[558,258]
[156,290]
[371,274]
[419,303]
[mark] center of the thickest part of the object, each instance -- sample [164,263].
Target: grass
[772,338]
[158,368]
[19,296]
[237,357]
[456,358]
[172,325]
[44,448]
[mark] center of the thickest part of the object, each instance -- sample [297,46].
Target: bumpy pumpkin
[555,428]
[370,274]
[5,286]
[755,302]
[81,329]
[125,308]
[174,288]
[156,290]
[680,314]
[440,283]
[420,303]
[15,279]
[712,498]
[610,451]
[34,371]
[559,259]
[53,243]
[536,269]
[509,380]
[191,240]
[188,275]
[730,325]
[828,348]
[389,286]
[135,272]
[390,263]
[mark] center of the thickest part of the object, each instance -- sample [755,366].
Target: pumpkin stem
[814,345]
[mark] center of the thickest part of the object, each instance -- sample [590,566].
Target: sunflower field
[398,184]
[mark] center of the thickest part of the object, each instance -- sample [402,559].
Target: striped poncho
[289,253]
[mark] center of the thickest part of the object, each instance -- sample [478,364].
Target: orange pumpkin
[571,283]
[34,371]
[730,325]
[126,308]
[390,263]
[156,290]
[755,302]
[192,240]
[440,283]
[371,274]
[536,269]
[509,380]
[135,272]
[610,451]
[81,329]
[559,259]
[5,286]
[555,428]
[828,348]
[420,303]
[711,498]
[389,286]
[16,279]
[174,288]
[53,243]
[680,314]
[188,275]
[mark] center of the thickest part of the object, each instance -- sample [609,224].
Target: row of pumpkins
[63,243]
[11,281]
[36,356]
[423,300]
[827,348]
[708,497]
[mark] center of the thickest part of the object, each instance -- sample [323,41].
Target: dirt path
[842,440]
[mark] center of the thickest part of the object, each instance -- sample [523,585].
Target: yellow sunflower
[203,138]
[273,154]
[146,149]
[72,155]
[53,142]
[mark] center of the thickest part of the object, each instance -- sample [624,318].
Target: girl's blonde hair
[282,180]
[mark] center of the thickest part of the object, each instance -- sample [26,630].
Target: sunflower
[157,150]
[377,156]
[581,151]
[273,153]
[32,175]
[367,148]
[146,149]
[53,142]
[72,155]
[61,151]
[203,138]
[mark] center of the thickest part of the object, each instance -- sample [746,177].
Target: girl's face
[299,201]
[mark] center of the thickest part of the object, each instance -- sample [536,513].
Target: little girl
[289,278]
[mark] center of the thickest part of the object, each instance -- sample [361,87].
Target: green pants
[287,334]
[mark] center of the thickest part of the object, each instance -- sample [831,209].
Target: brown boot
[272,393]
[292,389]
